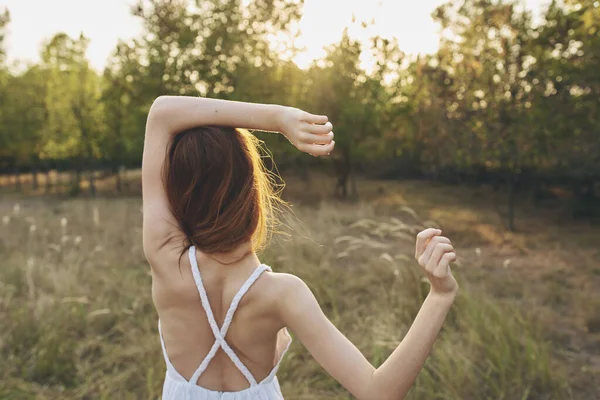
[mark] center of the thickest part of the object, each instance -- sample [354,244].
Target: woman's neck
[243,253]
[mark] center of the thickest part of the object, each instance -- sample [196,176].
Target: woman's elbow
[379,395]
[158,105]
[159,114]
[382,393]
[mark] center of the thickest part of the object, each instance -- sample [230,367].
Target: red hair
[219,189]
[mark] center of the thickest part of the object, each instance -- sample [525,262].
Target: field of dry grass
[78,321]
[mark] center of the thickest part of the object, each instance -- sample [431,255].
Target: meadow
[77,320]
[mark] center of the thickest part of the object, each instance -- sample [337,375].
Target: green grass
[78,320]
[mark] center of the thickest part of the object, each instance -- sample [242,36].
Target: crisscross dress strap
[220,333]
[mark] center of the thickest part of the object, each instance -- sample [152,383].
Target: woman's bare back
[256,334]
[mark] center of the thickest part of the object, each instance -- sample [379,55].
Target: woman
[223,315]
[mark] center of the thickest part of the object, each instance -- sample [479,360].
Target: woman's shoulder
[292,299]
[282,282]
[283,288]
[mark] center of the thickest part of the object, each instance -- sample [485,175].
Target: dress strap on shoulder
[238,296]
[220,333]
[202,291]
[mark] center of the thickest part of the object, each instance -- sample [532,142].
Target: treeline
[504,100]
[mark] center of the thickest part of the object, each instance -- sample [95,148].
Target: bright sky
[106,21]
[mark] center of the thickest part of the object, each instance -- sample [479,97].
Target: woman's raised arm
[170,115]
[177,113]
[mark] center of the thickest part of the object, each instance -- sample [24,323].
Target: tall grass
[77,320]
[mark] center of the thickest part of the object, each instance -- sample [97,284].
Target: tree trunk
[512,191]
[342,166]
[585,203]
[341,188]
[48,181]
[77,177]
[75,188]
[119,181]
[34,176]
[353,188]
[536,193]
[91,179]
[122,178]
[65,181]
[17,179]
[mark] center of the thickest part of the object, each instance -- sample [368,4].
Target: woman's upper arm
[302,314]
[159,224]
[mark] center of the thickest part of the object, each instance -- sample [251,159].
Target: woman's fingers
[316,140]
[318,149]
[435,253]
[310,138]
[443,268]
[315,119]
[440,250]
[424,259]
[320,129]
[423,238]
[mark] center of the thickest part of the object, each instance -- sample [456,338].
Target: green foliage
[4,98]
[503,100]
[199,48]
[4,20]
[125,106]
[74,123]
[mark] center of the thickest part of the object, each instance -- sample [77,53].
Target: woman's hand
[435,253]
[309,133]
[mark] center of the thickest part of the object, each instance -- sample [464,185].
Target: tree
[24,120]
[4,20]
[356,100]
[482,71]
[197,48]
[125,109]
[502,101]
[74,111]
[566,79]
[4,76]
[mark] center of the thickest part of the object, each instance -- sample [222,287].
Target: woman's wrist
[442,299]
[278,114]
